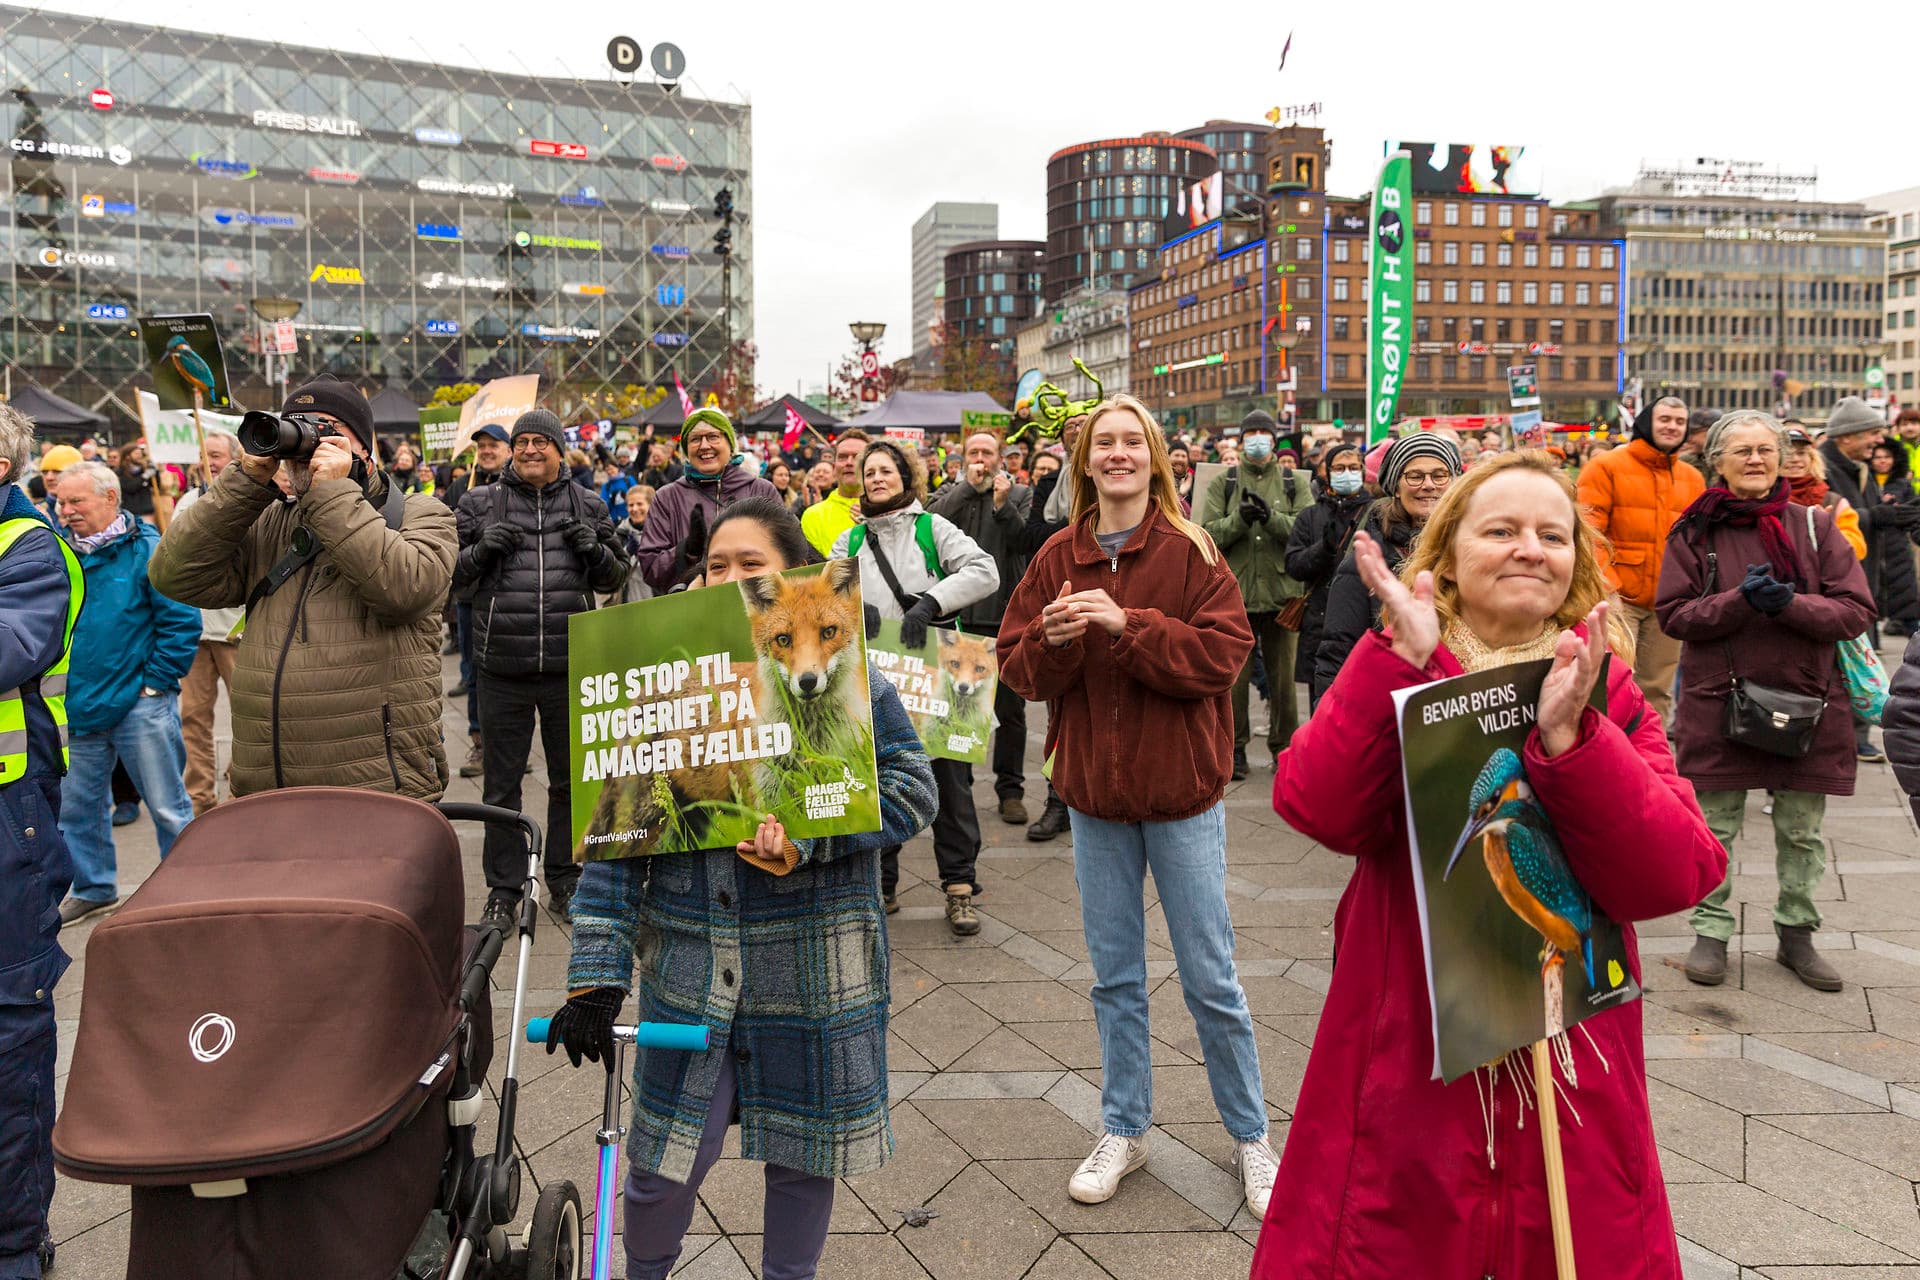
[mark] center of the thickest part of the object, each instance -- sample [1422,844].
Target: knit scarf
[1718,506]
[896,502]
[94,541]
[1477,655]
[1808,490]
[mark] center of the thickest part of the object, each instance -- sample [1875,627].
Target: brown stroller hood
[276,996]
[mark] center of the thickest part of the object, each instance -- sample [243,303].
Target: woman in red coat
[1387,1171]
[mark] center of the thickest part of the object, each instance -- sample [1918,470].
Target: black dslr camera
[294,436]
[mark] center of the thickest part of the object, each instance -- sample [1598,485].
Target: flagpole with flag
[795,425]
[686,401]
[1390,294]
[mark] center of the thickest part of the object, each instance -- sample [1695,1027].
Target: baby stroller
[283,1040]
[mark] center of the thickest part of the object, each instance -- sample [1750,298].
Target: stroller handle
[690,1037]
[493,816]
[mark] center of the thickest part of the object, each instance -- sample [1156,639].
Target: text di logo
[212,1035]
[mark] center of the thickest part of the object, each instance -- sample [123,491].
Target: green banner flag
[1390,296]
[439,424]
[946,685]
[695,714]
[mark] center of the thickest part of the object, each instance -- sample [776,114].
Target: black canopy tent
[56,416]
[665,412]
[392,411]
[773,416]
[937,411]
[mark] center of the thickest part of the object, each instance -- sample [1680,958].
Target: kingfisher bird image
[192,369]
[1528,867]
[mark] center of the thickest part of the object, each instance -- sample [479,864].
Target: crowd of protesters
[1139,597]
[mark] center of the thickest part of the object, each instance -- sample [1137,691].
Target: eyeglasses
[705,437]
[1427,479]
[1753,451]
[533,443]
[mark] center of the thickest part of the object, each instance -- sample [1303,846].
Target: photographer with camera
[533,550]
[337,677]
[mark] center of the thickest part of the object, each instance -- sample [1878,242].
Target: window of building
[1505,217]
[1477,291]
[1530,255]
[1450,291]
[1556,294]
[1423,212]
[1531,217]
[1583,256]
[1422,290]
[1339,366]
[1503,255]
[1606,256]
[1449,329]
[1557,256]
[1559,224]
[1582,295]
[1477,254]
[1303,287]
[1339,250]
[1423,251]
[1340,324]
[1450,253]
[1606,331]
[1529,330]
[1579,368]
[1303,249]
[1606,368]
[1503,331]
[1477,214]
[1339,285]
[1423,367]
[1503,292]
[1579,330]
[1450,213]
[1477,369]
[1449,369]
[1606,294]
[1422,328]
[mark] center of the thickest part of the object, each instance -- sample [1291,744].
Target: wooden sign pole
[1543,1090]
[200,434]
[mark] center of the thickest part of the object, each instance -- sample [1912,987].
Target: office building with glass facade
[433,223]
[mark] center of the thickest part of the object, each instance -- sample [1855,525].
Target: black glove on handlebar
[584,1025]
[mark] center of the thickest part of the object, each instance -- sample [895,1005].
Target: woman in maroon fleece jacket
[1130,627]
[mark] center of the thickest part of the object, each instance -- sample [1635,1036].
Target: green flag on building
[1390,295]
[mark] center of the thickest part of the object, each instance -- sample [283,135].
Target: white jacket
[971,572]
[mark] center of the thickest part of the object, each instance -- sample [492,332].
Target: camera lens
[264,435]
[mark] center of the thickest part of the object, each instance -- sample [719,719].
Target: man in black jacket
[534,548]
[991,509]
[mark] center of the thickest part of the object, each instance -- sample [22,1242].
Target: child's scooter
[648,1035]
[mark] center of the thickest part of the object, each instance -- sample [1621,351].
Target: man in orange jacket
[1633,495]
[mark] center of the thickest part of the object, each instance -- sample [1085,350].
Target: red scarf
[1718,505]
[1808,490]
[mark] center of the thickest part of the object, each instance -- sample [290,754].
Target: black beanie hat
[541,423]
[1259,420]
[1335,450]
[341,400]
[1643,426]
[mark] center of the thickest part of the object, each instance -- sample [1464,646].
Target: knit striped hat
[1419,444]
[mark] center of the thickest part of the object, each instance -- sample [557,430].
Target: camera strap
[306,547]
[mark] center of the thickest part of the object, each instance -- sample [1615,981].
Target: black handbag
[1776,721]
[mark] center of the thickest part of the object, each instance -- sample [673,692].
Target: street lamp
[1285,339]
[867,332]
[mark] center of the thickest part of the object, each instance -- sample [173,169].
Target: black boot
[1053,820]
[1797,953]
[1239,763]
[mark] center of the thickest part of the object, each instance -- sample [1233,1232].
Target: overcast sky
[863,115]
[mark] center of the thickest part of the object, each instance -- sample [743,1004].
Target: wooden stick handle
[1556,1165]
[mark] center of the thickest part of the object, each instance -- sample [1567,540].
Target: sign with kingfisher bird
[1516,950]
[187,365]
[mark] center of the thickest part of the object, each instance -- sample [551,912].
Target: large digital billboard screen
[1466,168]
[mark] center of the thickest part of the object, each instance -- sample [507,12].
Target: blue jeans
[147,740]
[1189,862]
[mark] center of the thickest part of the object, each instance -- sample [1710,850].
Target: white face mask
[1346,481]
[1256,448]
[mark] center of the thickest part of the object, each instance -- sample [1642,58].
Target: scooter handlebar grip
[537,1030]
[690,1037]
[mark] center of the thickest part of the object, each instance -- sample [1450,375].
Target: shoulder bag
[1776,721]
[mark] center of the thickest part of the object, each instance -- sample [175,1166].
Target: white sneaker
[1258,1167]
[1113,1158]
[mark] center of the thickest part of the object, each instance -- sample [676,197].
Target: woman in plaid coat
[779,947]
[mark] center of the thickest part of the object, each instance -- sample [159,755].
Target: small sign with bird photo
[184,352]
[1517,951]
[697,714]
[946,684]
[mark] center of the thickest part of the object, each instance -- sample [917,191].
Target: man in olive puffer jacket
[534,547]
[337,678]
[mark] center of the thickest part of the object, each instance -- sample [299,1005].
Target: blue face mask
[1257,448]
[1344,482]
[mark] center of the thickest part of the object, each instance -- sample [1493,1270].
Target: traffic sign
[102,99]
[623,54]
[869,364]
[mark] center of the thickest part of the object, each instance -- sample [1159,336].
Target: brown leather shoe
[1797,953]
[1707,962]
[960,914]
[1013,811]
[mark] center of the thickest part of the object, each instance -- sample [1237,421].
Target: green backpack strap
[923,534]
[856,537]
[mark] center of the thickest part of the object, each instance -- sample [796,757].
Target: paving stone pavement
[1788,1120]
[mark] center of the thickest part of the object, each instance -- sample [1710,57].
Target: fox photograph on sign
[184,354]
[1517,950]
[697,714]
[946,685]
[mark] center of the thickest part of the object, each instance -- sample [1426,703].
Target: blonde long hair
[1161,489]
[1433,549]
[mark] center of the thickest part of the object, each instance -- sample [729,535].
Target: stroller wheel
[553,1238]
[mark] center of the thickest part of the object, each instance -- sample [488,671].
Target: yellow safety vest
[53,681]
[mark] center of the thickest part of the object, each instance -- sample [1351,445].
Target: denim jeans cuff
[1125,1131]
